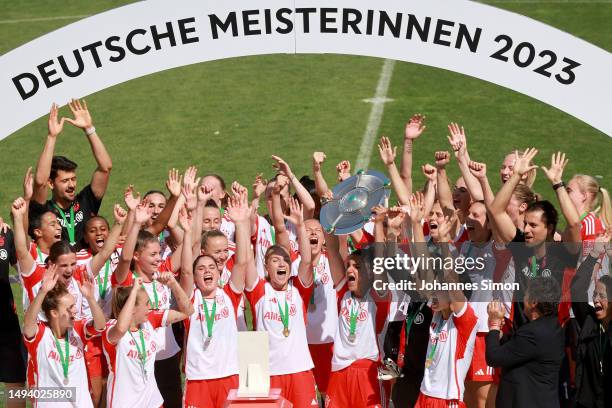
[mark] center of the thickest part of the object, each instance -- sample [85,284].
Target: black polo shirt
[85,206]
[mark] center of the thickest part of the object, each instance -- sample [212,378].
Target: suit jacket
[530,361]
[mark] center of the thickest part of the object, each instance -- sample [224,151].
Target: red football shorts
[479,371]
[298,388]
[426,401]
[208,393]
[321,356]
[355,386]
[94,358]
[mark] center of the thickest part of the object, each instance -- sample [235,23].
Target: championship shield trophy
[352,202]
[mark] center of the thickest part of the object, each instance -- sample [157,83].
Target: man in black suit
[530,359]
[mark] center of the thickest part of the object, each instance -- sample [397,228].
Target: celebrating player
[131,343]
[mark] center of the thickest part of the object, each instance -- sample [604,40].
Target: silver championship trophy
[353,200]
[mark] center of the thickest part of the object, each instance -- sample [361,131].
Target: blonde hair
[591,187]
[531,175]
[120,296]
[524,194]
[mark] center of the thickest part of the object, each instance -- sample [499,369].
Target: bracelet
[90,131]
[558,185]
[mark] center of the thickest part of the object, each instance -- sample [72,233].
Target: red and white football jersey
[131,382]
[262,240]
[371,317]
[452,344]
[289,354]
[33,280]
[227,227]
[44,360]
[215,356]
[84,258]
[160,298]
[495,259]
[322,305]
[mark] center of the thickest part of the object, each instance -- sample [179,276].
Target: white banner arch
[494,45]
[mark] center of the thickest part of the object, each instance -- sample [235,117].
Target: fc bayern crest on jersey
[419,318]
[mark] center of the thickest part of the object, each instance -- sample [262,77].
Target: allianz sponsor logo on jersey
[275,316]
[346,314]
[74,344]
[151,348]
[221,314]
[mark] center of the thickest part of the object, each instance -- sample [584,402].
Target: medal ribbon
[156,305]
[405,334]
[534,266]
[64,358]
[210,318]
[40,256]
[69,225]
[284,315]
[354,312]
[142,353]
[103,285]
[432,352]
[314,281]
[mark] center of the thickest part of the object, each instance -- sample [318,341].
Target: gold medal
[286,332]
[352,337]
[427,363]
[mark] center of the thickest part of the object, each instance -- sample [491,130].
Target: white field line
[36,19]
[378,106]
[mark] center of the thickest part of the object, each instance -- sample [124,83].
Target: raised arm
[43,168]
[479,171]
[555,176]
[30,318]
[259,189]
[336,264]
[87,288]
[302,194]
[296,216]
[183,302]
[444,191]
[124,320]
[320,184]
[244,273]
[458,142]
[457,298]
[28,193]
[19,210]
[387,155]
[414,128]
[419,247]
[99,259]
[141,216]
[277,216]
[429,196]
[82,119]
[204,194]
[131,202]
[174,187]
[505,227]
[186,277]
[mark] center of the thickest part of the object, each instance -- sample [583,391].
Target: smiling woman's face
[278,267]
[206,274]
